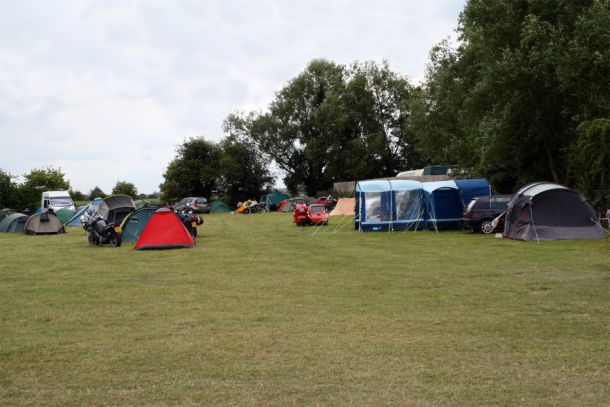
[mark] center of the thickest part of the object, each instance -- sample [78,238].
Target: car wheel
[486,226]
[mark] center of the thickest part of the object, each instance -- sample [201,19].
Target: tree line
[524,97]
[27,194]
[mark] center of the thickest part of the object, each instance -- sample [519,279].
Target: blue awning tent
[443,204]
[75,220]
[392,204]
[388,205]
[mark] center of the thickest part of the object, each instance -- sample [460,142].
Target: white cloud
[106,90]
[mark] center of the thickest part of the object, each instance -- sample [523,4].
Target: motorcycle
[188,219]
[99,231]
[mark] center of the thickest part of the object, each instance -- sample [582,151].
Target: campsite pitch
[262,312]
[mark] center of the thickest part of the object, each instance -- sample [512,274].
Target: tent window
[408,205]
[378,207]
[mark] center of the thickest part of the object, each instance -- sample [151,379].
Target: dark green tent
[219,206]
[13,223]
[273,198]
[134,223]
[65,215]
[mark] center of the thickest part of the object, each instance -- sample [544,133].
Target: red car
[313,215]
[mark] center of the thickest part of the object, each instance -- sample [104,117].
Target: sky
[106,90]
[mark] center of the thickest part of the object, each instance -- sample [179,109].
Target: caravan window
[62,201]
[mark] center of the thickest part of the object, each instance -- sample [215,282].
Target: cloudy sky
[107,89]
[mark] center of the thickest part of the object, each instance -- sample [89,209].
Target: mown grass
[264,313]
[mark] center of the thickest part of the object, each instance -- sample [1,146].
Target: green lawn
[266,313]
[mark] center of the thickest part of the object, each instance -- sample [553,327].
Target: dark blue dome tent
[388,204]
[548,211]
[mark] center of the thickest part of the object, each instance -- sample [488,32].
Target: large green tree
[10,195]
[125,188]
[194,171]
[334,122]
[233,169]
[97,192]
[244,171]
[507,102]
[39,180]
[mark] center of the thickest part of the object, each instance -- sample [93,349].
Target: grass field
[264,313]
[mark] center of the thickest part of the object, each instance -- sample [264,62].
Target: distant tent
[164,231]
[219,206]
[75,220]
[6,212]
[389,205]
[65,215]
[43,223]
[293,202]
[134,223]
[547,211]
[13,223]
[345,206]
[273,198]
[115,207]
[280,207]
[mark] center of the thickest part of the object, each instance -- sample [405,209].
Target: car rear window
[500,202]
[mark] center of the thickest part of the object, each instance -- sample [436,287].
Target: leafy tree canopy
[39,180]
[125,188]
[233,170]
[97,192]
[507,103]
[334,122]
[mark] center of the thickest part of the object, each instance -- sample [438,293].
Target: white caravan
[56,200]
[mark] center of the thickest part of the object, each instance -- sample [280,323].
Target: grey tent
[116,207]
[13,223]
[547,211]
[44,223]
[292,203]
[5,212]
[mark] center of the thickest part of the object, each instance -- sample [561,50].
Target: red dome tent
[164,231]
